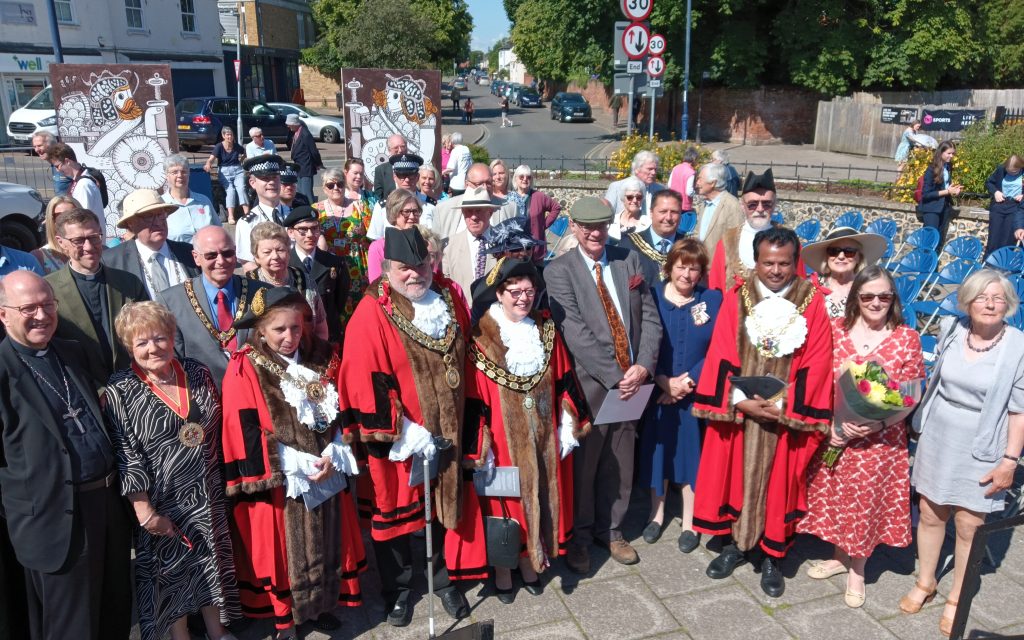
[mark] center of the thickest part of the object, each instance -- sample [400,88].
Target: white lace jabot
[430,314]
[525,355]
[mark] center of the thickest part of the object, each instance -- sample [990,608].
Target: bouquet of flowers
[865,394]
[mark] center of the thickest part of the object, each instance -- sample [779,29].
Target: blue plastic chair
[687,222]
[936,308]
[557,229]
[907,288]
[889,251]
[1006,259]
[885,227]
[778,218]
[808,230]
[928,346]
[921,262]
[852,219]
[953,274]
[923,238]
[964,248]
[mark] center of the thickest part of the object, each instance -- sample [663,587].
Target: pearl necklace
[996,341]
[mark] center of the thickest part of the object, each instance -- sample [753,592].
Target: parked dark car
[569,107]
[201,119]
[528,97]
[498,87]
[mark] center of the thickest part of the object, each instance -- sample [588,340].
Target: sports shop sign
[950,119]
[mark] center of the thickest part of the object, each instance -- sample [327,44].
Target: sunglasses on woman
[884,298]
[834,251]
[331,186]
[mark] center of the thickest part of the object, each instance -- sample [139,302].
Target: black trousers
[90,597]
[13,619]
[394,564]
[1001,219]
[940,222]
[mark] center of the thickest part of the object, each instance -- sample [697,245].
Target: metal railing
[21,165]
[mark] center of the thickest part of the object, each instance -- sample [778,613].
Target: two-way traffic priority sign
[655,66]
[635,40]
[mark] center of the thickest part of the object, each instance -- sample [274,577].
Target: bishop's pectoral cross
[73,415]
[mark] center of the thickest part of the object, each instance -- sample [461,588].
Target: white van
[38,114]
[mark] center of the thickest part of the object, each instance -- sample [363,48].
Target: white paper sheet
[617,410]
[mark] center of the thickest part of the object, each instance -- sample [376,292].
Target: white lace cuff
[415,439]
[341,456]
[565,437]
[296,467]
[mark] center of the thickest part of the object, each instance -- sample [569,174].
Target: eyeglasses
[479,184]
[407,176]
[177,172]
[305,231]
[520,293]
[331,186]
[95,239]
[884,298]
[209,256]
[833,252]
[994,300]
[30,310]
[753,205]
[411,211]
[257,135]
[634,197]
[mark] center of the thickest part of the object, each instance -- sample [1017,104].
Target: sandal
[913,606]
[946,624]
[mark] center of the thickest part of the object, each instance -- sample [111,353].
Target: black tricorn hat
[266,299]
[755,181]
[300,214]
[485,290]
[406,246]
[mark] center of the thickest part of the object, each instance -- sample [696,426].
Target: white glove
[415,440]
[489,469]
[565,437]
[342,458]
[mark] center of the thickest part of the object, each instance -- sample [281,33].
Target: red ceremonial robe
[377,386]
[266,523]
[759,497]
[528,438]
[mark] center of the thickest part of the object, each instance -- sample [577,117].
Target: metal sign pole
[629,120]
[650,134]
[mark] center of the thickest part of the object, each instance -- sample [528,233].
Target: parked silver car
[330,129]
[21,215]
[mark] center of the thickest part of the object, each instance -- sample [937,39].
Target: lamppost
[704,75]
[237,11]
[686,77]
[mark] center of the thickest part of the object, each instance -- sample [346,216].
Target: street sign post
[637,10]
[621,83]
[635,40]
[618,52]
[657,44]
[655,66]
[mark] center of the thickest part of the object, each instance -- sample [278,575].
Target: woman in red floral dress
[864,500]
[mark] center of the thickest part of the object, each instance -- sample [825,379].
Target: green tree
[370,40]
[564,39]
[492,53]
[476,57]
[1003,21]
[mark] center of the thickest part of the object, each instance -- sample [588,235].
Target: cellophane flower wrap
[865,394]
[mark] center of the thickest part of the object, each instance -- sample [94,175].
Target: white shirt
[261,212]
[88,195]
[746,248]
[458,163]
[379,218]
[709,214]
[175,271]
[252,149]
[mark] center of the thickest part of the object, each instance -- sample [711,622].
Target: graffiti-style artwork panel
[119,118]
[382,102]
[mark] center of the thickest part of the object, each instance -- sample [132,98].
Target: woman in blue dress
[670,439]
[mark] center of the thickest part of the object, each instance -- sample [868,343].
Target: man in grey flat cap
[601,304]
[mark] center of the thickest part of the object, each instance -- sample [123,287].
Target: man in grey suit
[466,259]
[207,306]
[718,211]
[645,169]
[601,303]
[158,262]
[448,219]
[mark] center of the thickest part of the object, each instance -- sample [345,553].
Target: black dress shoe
[505,596]
[652,532]
[454,603]
[534,588]
[688,541]
[723,566]
[327,622]
[772,581]
[400,614]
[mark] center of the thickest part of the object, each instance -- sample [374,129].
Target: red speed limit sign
[655,66]
[657,44]
[637,10]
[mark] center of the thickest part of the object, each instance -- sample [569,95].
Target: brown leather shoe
[578,559]
[622,552]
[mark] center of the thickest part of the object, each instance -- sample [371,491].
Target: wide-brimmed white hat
[477,198]
[872,247]
[142,202]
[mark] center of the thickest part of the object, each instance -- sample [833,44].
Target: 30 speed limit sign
[637,10]
[635,39]
[655,66]
[657,44]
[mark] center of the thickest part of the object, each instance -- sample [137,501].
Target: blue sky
[489,23]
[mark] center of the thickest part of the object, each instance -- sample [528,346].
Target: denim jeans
[232,178]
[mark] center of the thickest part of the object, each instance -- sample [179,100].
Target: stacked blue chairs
[1006,259]
[928,346]
[885,227]
[778,218]
[889,251]
[923,238]
[851,219]
[964,248]
[920,262]
[908,288]
[953,274]
[936,308]
[557,229]
[687,222]
[808,230]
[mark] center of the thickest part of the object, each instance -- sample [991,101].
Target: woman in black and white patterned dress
[165,419]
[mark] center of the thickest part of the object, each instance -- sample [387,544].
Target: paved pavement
[668,596]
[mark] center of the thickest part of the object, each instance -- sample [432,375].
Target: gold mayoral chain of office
[776,327]
[442,346]
[314,400]
[509,380]
[223,337]
[645,248]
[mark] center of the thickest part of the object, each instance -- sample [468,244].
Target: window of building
[64,13]
[133,13]
[188,16]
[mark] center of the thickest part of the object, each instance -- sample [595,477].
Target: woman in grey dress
[165,420]
[971,421]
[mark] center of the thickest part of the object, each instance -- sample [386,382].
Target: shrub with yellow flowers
[669,155]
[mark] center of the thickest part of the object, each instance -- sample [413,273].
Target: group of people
[239,409]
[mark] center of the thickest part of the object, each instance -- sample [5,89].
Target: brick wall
[759,116]
[319,90]
[280,28]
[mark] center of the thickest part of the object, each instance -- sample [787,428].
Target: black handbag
[503,539]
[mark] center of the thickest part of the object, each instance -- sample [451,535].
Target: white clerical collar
[768,293]
[145,252]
